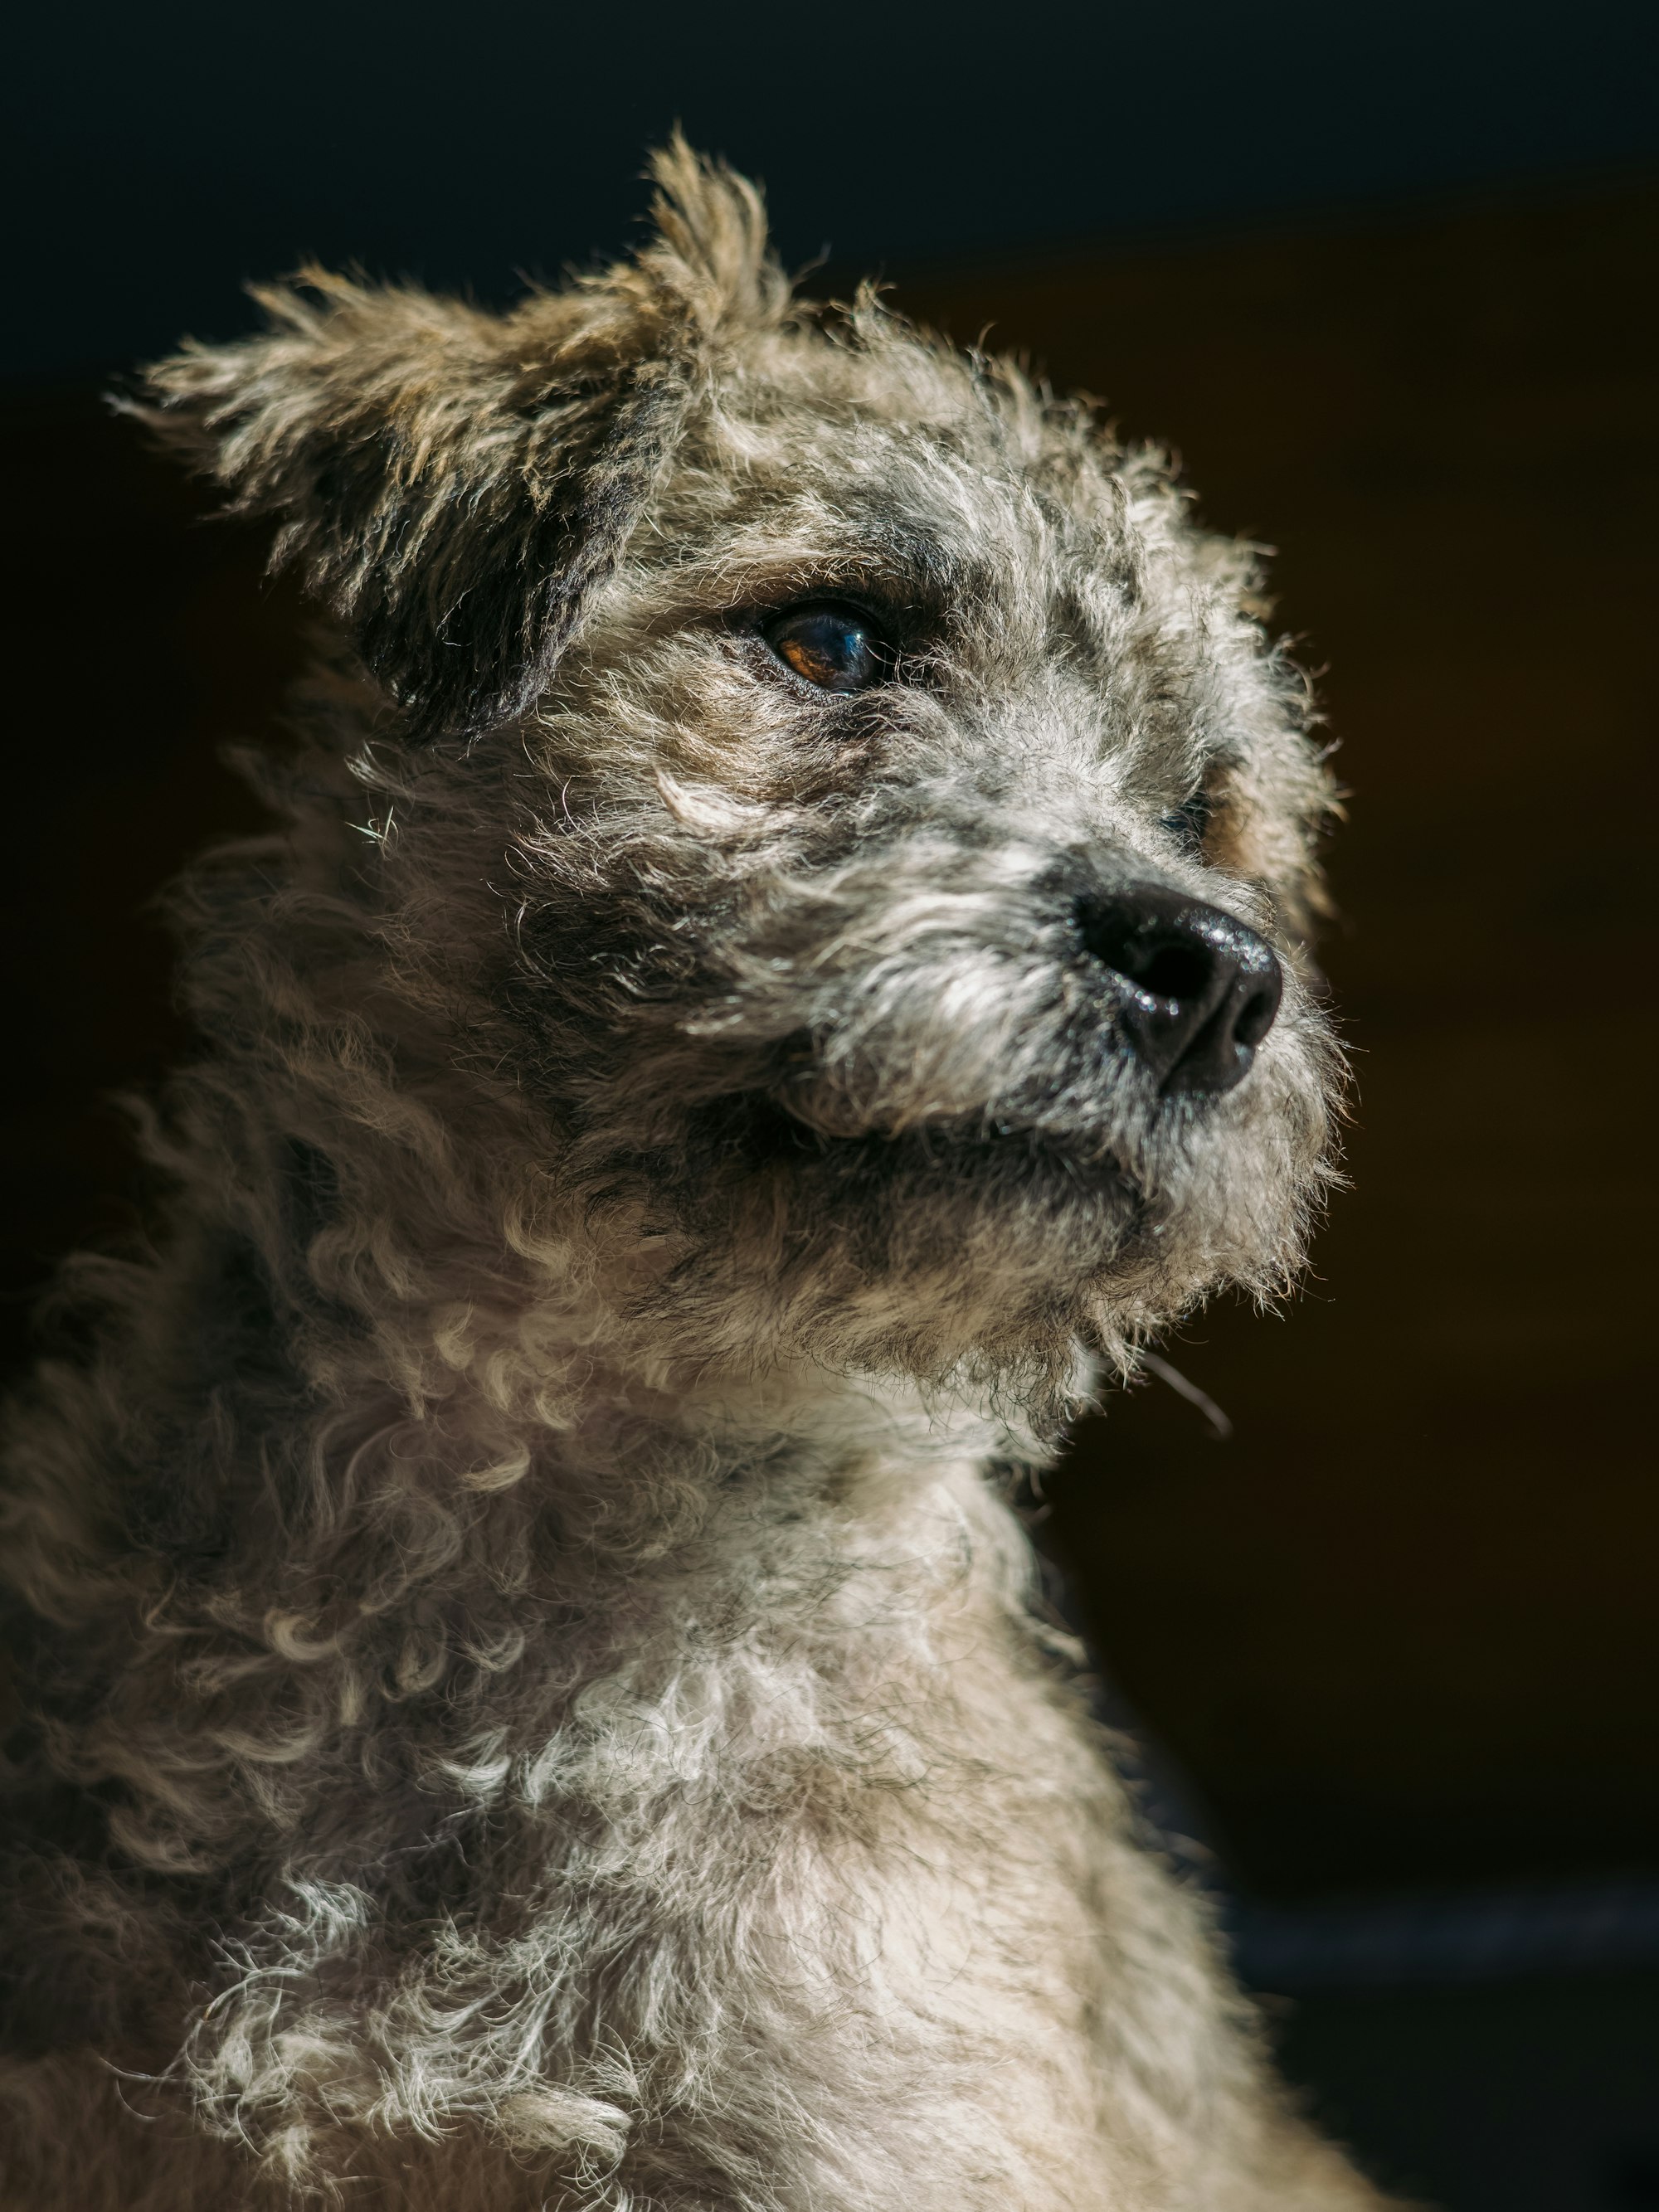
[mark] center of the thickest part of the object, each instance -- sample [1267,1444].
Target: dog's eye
[835,648]
[1190,820]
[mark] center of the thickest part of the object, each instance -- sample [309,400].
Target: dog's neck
[436,1589]
[524,1636]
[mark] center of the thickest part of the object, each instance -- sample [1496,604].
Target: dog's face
[905,832]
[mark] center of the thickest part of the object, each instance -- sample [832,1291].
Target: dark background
[1386,277]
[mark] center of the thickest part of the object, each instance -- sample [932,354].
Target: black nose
[1199,989]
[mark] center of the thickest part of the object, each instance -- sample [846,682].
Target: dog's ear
[454,483]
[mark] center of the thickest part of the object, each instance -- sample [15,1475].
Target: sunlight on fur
[531,1694]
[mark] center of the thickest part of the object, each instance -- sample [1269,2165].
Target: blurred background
[1373,1581]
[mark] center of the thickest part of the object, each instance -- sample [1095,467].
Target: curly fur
[529,1692]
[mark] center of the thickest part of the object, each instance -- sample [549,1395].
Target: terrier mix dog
[787,931]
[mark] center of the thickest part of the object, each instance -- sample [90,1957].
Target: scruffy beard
[886,1124]
[943,1150]
[982,1246]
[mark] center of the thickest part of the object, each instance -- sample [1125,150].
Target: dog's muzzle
[1197,990]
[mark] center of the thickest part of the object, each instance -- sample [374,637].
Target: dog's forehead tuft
[799,390]
[913,434]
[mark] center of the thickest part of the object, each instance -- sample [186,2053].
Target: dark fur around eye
[1191,819]
[832,646]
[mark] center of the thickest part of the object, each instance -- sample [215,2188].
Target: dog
[782,960]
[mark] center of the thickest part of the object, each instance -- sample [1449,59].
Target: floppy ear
[453,483]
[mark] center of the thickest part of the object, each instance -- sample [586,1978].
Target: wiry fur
[529,1695]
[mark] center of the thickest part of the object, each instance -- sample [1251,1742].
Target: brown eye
[835,648]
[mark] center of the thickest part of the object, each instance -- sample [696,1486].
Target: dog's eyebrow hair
[916,571]
[902,555]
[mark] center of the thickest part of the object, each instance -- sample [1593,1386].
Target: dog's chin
[1019,1242]
[975,1147]
[1000,1244]
[1034,1176]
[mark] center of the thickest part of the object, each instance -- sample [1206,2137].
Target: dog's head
[879,835]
